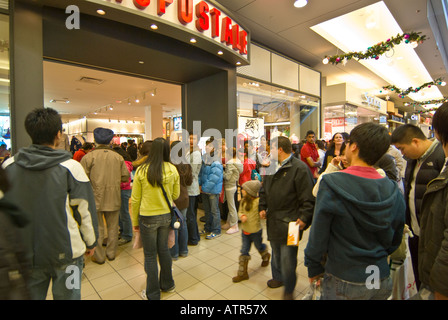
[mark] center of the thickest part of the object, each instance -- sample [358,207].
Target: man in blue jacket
[210,181]
[54,191]
[358,222]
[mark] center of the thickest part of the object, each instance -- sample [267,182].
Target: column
[27,89]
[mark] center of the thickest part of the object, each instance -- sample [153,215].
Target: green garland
[375,51]
[403,93]
[422,103]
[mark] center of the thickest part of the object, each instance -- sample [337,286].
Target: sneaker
[123,241]
[213,236]
[233,229]
[170,290]
[203,232]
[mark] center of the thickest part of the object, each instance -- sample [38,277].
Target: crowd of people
[358,197]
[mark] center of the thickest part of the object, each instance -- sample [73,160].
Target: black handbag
[176,215]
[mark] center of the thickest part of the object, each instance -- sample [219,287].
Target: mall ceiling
[280,26]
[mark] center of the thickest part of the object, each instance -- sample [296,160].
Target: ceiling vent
[91,80]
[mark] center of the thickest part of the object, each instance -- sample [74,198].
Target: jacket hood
[38,157]
[369,201]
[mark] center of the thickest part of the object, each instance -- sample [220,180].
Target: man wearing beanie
[106,170]
[286,196]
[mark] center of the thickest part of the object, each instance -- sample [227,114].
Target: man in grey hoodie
[55,192]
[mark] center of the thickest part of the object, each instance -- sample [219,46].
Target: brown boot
[265,256]
[242,270]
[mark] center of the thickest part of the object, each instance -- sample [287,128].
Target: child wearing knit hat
[251,229]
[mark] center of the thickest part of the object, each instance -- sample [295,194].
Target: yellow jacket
[147,200]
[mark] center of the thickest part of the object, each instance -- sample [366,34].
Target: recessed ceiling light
[220,53]
[141,62]
[101,12]
[300,3]
[154,27]
[238,63]
[193,40]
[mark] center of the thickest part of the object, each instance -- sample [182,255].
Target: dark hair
[405,133]
[440,122]
[310,132]
[372,140]
[87,146]
[247,202]
[284,143]
[43,125]
[320,144]
[160,153]
[146,148]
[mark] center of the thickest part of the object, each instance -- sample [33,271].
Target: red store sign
[197,16]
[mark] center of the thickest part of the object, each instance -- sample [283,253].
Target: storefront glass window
[5,135]
[343,118]
[268,110]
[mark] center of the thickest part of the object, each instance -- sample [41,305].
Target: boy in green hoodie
[358,222]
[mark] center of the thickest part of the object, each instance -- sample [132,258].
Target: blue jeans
[256,238]
[125,219]
[181,243]
[284,264]
[192,221]
[334,288]
[210,203]
[154,233]
[66,280]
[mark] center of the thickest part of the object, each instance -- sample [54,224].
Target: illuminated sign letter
[161,6]
[203,21]
[142,4]
[226,35]
[236,37]
[243,42]
[215,13]
[185,11]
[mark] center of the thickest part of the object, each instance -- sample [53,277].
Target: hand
[317,278]
[335,161]
[301,224]
[136,228]
[263,214]
[89,252]
[243,218]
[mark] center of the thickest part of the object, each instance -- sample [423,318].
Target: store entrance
[135,108]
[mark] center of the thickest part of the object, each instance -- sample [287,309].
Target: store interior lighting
[360,29]
[300,3]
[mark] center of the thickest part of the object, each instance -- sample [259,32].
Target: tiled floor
[206,274]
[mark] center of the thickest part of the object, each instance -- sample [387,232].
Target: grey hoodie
[54,190]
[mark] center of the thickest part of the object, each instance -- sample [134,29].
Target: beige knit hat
[252,187]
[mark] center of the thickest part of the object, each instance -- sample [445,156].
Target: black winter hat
[103,135]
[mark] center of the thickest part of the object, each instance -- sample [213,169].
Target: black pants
[413,248]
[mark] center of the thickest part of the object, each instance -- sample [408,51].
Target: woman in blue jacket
[210,181]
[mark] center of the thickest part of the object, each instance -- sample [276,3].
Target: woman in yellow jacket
[151,215]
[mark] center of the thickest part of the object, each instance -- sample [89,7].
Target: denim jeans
[125,219]
[334,288]
[192,221]
[256,238]
[154,233]
[66,280]
[284,264]
[210,203]
[181,243]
